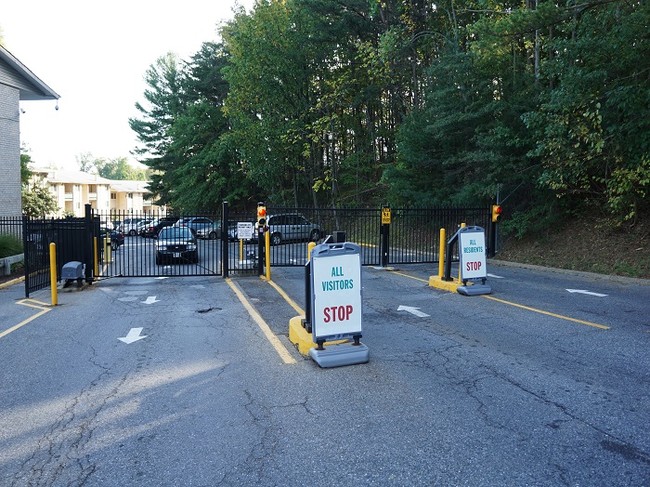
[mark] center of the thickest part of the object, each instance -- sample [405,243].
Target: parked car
[292,226]
[152,229]
[213,231]
[130,226]
[117,238]
[176,243]
[195,223]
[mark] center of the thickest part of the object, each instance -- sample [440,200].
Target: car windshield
[175,233]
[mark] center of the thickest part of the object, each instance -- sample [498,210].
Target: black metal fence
[137,250]
[408,236]
[413,233]
[74,241]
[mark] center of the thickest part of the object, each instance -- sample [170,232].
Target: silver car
[292,226]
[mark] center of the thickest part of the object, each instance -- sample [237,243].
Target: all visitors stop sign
[336,291]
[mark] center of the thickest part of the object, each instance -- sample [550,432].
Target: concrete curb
[12,282]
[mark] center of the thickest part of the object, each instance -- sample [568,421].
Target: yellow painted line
[527,308]
[27,302]
[548,313]
[286,297]
[12,282]
[411,277]
[264,327]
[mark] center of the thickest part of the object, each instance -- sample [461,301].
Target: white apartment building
[72,190]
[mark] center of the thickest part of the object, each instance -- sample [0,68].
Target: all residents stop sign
[336,291]
[473,262]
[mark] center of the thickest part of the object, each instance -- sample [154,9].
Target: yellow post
[441,254]
[267,253]
[241,250]
[310,247]
[55,297]
[96,249]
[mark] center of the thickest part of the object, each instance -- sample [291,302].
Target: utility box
[73,271]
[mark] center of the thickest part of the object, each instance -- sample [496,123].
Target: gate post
[385,233]
[224,239]
[88,242]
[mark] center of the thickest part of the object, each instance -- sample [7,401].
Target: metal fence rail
[411,237]
[414,233]
[13,226]
[73,238]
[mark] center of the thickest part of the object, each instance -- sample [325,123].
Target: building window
[113,196]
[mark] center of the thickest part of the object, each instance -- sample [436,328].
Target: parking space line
[548,313]
[44,308]
[527,308]
[286,297]
[264,327]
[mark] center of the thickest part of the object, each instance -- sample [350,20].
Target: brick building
[17,83]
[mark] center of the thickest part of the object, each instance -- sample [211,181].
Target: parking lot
[543,382]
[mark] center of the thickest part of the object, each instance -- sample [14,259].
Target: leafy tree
[37,201]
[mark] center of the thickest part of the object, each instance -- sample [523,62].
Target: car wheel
[276,239]
[314,236]
[212,235]
[133,233]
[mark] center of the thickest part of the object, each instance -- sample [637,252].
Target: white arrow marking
[132,336]
[589,293]
[150,300]
[494,276]
[412,310]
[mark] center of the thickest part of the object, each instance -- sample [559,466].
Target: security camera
[56,107]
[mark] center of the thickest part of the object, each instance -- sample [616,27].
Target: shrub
[10,245]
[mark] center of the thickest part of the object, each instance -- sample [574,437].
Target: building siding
[10,203]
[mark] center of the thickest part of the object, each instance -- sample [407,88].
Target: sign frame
[336,288]
[472,254]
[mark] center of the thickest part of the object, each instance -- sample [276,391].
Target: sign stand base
[474,289]
[339,355]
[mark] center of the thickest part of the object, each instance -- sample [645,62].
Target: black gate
[159,244]
[411,237]
[74,240]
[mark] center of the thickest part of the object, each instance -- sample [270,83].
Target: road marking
[413,311]
[270,336]
[588,293]
[494,276]
[150,300]
[548,313]
[528,308]
[286,297]
[132,336]
[411,277]
[44,308]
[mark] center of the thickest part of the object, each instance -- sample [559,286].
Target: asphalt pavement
[192,381]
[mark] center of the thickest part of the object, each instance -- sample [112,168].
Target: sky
[95,55]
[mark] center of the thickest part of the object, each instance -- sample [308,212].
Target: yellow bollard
[310,247]
[241,250]
[441,254]
[267,253]
[55,297]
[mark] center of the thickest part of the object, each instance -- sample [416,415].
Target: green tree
[37,201]
[163,103]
